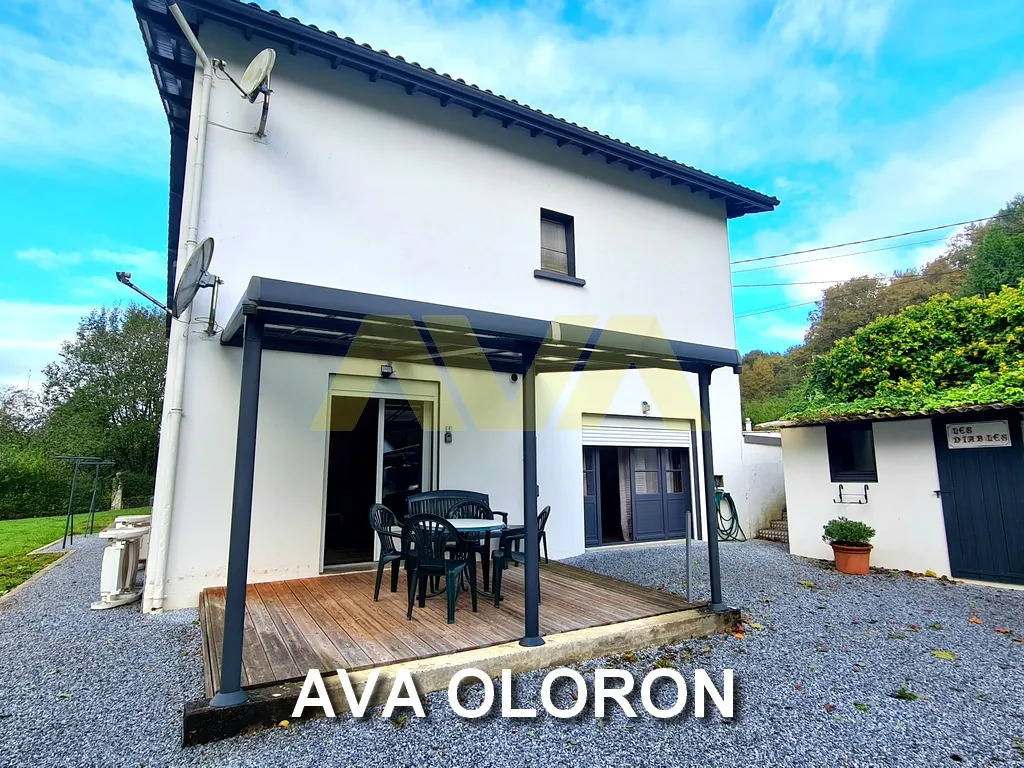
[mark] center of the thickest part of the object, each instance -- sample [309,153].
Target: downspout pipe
[170,429]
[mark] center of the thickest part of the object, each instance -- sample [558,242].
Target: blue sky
[866,117]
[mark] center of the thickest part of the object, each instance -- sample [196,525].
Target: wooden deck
[331,622]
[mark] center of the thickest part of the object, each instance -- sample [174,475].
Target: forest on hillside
[977,262]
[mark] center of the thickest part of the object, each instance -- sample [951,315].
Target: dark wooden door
[648,507]
[676,462]
[591,494]
[982,494]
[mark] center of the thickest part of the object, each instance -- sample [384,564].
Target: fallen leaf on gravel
[798,687]
[913,628]
[1018,639]
[64,695]
[738,635]
[830,708]
[975,620]
[935,625]
[860,706]
[930,574]
[283,724]
[808,584]
[946,655]
[1005,631]
[758,625]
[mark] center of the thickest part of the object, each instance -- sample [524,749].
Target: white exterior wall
[902,506]
[765,485]
[290,482]
[360,186]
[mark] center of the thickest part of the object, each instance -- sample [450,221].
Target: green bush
[945,352]
[848,533]
[31,484]
[136,489]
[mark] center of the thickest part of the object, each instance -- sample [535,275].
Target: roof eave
[296,36]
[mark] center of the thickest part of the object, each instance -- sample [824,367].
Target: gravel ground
[814,675]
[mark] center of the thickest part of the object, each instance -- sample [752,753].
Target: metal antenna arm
[125,278]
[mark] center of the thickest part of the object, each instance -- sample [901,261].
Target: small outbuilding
[943,488]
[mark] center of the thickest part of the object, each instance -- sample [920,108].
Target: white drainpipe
[170,429]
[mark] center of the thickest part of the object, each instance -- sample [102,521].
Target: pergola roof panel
[310,318]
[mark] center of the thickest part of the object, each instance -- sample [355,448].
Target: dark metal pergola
[287,316]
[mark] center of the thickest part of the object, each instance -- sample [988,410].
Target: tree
[999,261]
[768,383]
[21,414]
[105,392]
[843,308]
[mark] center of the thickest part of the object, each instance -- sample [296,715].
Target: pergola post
[231,692]
[710,501]
[531,574]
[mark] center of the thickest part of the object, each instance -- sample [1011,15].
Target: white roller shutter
[636,431]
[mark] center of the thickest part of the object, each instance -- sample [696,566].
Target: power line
[777,309]
[765,310]
[906,278]
[871,239]
[839,255]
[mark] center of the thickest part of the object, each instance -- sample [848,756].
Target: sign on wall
[979,434]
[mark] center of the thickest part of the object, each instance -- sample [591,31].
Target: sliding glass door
[380,449]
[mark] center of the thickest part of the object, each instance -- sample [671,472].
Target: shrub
[32,484]
[945,352]
[136,489]
[848,533]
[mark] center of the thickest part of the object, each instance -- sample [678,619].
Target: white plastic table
[473,525]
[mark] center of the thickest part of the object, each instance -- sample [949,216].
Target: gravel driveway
[815,674]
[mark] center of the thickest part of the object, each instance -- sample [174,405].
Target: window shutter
[553,251]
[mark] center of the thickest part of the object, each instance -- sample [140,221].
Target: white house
[410,263]
[941,489]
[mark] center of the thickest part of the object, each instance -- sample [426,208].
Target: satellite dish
[257,74]
[196,276]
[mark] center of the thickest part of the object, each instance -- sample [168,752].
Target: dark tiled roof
[890,415]
[173,64]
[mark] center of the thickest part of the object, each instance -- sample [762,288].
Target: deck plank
[281,661]
[331,621]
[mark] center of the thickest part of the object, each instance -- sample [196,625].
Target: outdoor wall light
[447,434]
[386,370]
[645,407]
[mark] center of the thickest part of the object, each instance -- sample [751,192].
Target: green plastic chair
[426,539]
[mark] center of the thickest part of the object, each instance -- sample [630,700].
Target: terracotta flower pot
[852,560]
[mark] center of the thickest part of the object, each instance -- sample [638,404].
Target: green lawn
[19,537]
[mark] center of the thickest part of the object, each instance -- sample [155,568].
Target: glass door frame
[373,388]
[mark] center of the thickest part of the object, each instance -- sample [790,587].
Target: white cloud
[139,262]
[782,331]
[962,162]
[79,88]
[695,80]
[709,83]
[32,337]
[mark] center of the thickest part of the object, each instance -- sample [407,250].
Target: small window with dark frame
[851,452]
[557,243]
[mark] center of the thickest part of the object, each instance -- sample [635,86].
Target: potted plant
[850,544]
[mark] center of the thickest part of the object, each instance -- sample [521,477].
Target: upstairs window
[851,452]
[557,248]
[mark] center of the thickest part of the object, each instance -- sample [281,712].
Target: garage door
[654,484]
[637,431]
